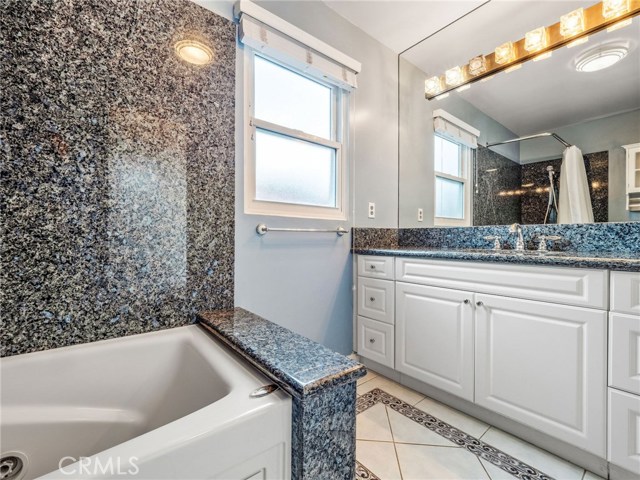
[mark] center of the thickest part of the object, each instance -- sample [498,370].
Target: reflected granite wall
[507,192]
[536,196]
[495,175]
[117,169]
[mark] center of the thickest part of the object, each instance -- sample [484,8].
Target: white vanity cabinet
[528,342]
[624,371]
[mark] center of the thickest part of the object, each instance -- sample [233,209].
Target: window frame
[339,125]
[465,159]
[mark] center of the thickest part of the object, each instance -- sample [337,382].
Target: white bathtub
[171,404]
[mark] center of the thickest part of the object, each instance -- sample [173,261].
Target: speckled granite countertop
[629,262]
[299,365]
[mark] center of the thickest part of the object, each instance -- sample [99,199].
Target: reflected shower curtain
[575,202]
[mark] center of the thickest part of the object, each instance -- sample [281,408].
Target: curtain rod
[545,134]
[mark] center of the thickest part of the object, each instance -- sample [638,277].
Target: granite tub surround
[118,169]
[496,174]
[535,197]
[321,382]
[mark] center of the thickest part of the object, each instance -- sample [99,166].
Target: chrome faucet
[517,228]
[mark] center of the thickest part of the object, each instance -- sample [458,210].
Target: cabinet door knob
[467,301]
[373,267]
[372,340]
[372,299]
[479,304]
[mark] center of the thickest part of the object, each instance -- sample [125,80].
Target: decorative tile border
[483,450]
[363,473]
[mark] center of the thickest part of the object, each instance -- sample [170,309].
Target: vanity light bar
[574,28]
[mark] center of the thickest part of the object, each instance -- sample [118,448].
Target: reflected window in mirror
[452,166]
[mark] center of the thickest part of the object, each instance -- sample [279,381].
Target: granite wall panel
[117,169]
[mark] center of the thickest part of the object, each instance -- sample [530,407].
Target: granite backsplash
[623,238]
[117,169]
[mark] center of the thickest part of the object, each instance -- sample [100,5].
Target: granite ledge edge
[284,379]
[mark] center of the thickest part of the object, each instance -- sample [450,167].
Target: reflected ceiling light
[432,85]
[453,76]
[505,53]
[542,56]
[463,88]
[577,42]
[443,96]
[602,57]
[573,28]
[536,40]
[195,52]
[619,25]
[614,8]
[477,65]
[572,23]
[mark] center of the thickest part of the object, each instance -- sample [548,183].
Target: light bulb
[477,65]
[432,85]
[572,23]
[454,76]
[535,39]
[505,53]
[614,8]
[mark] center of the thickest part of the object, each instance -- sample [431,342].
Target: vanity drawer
[625,292]
[624,352]
[570,286]
[376,299]
[375,341]
[624,430]
[375,267]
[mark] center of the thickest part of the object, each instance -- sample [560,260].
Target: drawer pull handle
[467,301]
[372,340]
[479,304]
[373,267]
[372,299]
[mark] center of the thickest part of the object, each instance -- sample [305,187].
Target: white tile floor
[394,447]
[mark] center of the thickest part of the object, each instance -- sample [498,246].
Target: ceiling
[401,24]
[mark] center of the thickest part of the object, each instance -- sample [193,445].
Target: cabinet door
[544,365]
[434,337]
[624,430]
[624,352]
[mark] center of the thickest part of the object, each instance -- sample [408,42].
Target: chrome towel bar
[262,229]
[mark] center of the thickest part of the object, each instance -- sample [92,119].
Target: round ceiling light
[195,52]
[602,57]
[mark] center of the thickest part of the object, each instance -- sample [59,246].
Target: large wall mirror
[457,180]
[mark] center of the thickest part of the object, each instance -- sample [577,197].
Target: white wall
[304,281]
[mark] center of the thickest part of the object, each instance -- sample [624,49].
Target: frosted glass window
[447,156]
[286,98]
[294,171]
[449,198]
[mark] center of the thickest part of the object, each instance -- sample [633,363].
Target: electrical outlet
[420,215]
[372,210]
